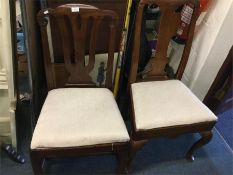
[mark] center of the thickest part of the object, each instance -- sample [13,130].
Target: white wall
[212,42]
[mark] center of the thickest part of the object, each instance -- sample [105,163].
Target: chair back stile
[79,35]
[169,23]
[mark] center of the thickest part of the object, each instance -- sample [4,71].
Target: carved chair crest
[79,27]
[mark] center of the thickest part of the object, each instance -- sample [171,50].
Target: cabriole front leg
[205,138]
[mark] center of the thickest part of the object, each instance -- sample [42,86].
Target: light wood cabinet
[7,88]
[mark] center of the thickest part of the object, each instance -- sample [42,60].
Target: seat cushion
[167,103]
[73,117]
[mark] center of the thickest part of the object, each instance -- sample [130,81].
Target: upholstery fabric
[73,117]
[167,103]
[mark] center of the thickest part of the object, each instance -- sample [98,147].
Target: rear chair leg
[123,157]
[37,163]
[205,138]
[135,146]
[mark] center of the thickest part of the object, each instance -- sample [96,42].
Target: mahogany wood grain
[78,31]
[39,156]
[169,22]
[118,6]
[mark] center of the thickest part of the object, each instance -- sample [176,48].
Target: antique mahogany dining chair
[162,107]
[78,118]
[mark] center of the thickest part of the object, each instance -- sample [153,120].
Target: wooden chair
[80,118]
[161,107]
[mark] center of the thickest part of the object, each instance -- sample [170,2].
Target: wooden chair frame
[77,74]
[170,19]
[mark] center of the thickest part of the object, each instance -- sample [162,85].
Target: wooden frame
[38,156]
[77,51]
[224,74]
[119,7]
[77,71]
[170,19]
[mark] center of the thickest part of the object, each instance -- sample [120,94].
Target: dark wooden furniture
[118,6]
[169,21]
[79,29]
[222,83]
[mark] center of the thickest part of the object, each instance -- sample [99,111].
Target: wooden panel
[119,7]
[79,32]
[169,22]
[60,74]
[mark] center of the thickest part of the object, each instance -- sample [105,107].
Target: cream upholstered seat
[74,117]
[160,104]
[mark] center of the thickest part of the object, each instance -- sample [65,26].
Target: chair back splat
[79,26]
[169,23]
